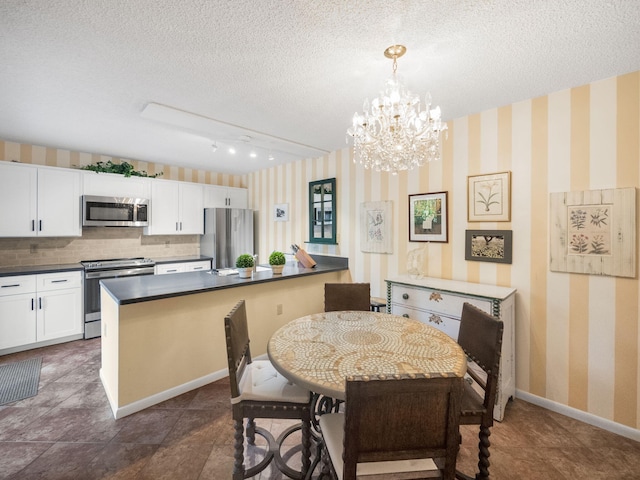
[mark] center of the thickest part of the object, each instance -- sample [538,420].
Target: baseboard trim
[138,405]
[589,418]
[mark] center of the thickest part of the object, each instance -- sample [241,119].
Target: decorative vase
[245,272]
[277,269]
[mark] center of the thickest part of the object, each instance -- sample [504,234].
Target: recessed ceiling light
[270,157]
[253,154]
[232,150]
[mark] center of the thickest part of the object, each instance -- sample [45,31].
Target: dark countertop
[128,290]
[183,259]
[35,269]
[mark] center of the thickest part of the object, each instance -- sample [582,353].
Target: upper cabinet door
[216,196]
[191,209]
[18,200]
[59,203]
[114,185]
[39,201]
[164,219]
[176,208]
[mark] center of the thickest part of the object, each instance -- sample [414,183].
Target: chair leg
[306,445]
[251,431]
[238,454]
[483,453]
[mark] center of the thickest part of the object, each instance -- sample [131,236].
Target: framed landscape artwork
[489,197]
[428,219]
[489,246]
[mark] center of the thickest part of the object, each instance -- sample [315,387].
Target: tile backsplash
[95,243]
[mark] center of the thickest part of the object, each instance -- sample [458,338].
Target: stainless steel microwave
[114,211]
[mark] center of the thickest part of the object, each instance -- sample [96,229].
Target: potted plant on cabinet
[277,261]
[244,264]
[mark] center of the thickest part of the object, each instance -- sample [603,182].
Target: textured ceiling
[289,74]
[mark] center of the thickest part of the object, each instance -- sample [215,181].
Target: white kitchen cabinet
[216,196]
[37,310]
[179,267]
[114,185]
[39,201]
[438,302]
[176,208]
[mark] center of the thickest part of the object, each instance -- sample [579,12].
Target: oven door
[92,314]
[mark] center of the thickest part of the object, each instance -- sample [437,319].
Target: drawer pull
[405,315]
[13,285]
[433,318]
[59,281]
[405,296]
[435,296]
[172,270]
[33,301]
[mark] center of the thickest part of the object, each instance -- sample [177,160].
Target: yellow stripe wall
[577,336]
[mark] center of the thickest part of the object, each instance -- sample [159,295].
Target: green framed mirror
[322,211]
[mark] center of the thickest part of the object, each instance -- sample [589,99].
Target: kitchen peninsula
[163,335]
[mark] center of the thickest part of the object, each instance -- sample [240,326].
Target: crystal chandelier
[394,134]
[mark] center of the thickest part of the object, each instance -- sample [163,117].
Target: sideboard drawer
[434,300]
[446,324]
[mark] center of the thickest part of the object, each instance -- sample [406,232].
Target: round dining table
[319,351]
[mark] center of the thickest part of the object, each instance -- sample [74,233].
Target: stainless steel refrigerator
[228,232]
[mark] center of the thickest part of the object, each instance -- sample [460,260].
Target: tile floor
[67,431]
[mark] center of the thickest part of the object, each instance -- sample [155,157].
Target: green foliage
[277,258]
[244,261]
[124,168]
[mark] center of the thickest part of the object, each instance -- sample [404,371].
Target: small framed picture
[281,212]
[428,219]
[488,246]
[489,197]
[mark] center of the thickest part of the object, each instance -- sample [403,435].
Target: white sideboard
[438,302]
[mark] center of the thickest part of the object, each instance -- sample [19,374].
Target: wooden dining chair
[395,427]
[480,337]
[347,296]
[259,391]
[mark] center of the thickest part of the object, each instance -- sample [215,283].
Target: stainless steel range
[96,270]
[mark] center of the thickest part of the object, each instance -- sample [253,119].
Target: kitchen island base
[157,349]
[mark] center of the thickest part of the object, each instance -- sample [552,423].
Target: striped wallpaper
[577,336]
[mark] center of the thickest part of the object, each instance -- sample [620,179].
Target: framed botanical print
[489,197]
[376,220]
[428,219]
[281,212]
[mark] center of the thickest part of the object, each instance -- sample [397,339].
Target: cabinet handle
[33,304]
[197,268]
[33,225]
[172,271]
[180,226]
[405,296]
[433,318]
[59,281]
[39,303]
[405,315]
[13,285]
[435,296]
[39,225]
[176,226]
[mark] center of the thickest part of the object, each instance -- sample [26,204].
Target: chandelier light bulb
[393,133]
